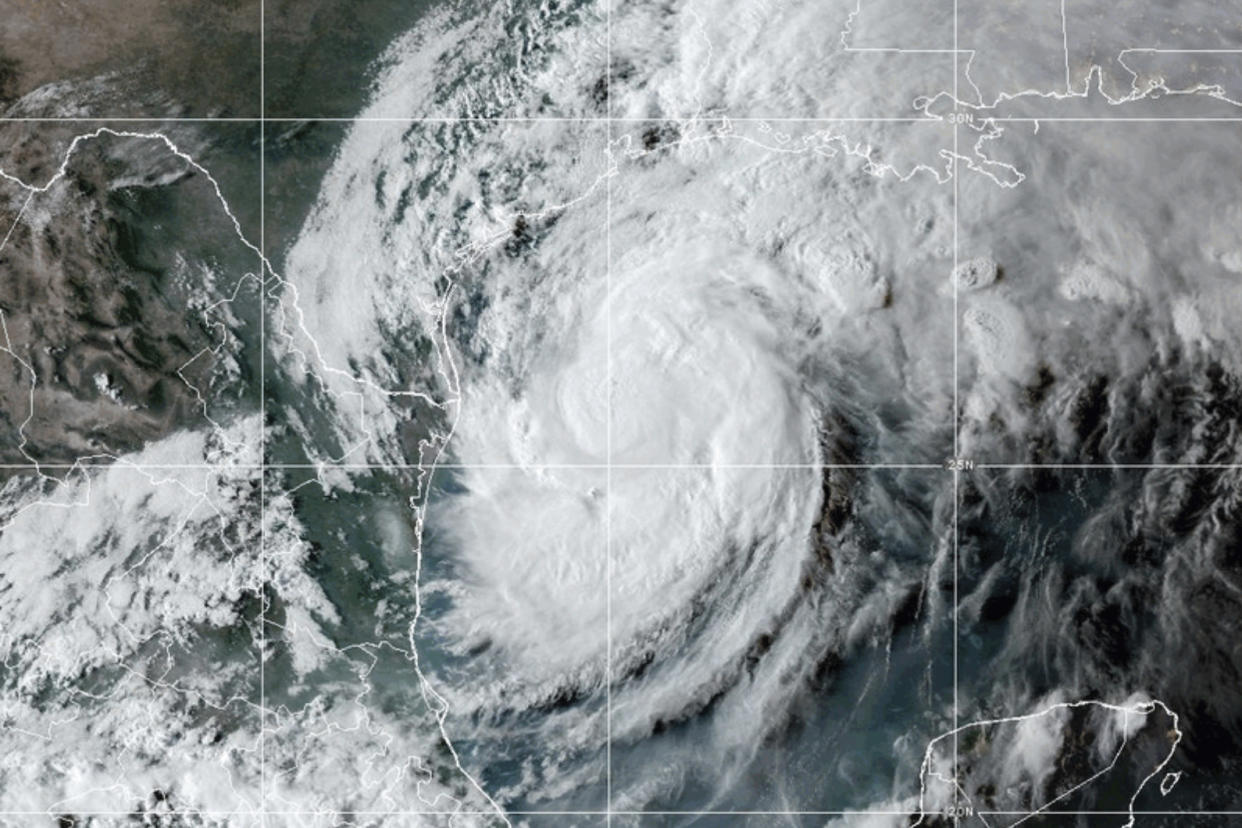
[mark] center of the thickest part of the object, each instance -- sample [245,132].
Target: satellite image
[650,413]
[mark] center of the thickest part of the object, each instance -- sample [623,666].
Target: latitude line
[326,812]
[980,113]
[226,467]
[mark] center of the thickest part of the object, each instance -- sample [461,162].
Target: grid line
[980,115]
[325,467]
[263,570]
[619,812]
[957,472]
[608,101]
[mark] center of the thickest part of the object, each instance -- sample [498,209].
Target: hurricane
[740,413]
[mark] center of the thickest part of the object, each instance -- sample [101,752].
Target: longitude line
[608,409]
[956,464]
[263,574]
